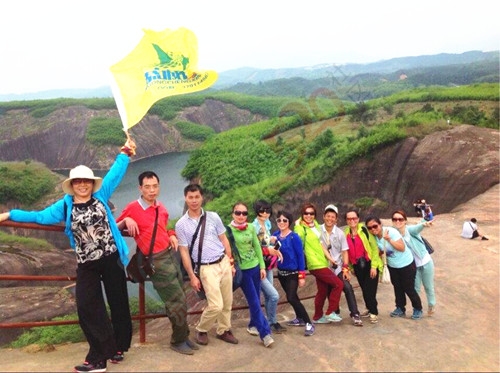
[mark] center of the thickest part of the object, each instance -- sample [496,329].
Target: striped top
[213,248]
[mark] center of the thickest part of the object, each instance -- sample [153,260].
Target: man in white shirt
[469,230]
[334,241]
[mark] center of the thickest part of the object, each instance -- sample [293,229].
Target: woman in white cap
[101,254]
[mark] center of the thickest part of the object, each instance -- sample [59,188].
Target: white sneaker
[268,340]
[357,320]
[333,317]
[373,318]
[252,330]
[309,330]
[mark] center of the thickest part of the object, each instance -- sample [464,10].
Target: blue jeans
[251,289]
[425,276]
[271,296]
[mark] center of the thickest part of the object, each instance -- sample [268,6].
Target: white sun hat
[81,172]
[332,208]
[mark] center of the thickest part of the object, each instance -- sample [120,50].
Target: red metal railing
[142,316]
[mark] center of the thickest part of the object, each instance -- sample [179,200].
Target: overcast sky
[57,44]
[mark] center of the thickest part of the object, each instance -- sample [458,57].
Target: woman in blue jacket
[291,270]
[423,260]
[401,266]
[101,254]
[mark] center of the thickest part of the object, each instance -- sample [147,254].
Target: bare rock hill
[446,168]
[58,140]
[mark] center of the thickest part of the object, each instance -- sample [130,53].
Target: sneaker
[296,322]
[365,313]
[309,330]
[268,340]
[182,348]
[201,338]
[228,337]
[89,367]
[373,318]
[333,317]
[119,356]
[277,328]
[357,320]
[398,312]
[252,330]
[192,345]
[430,311]
[417,314]
[321,320]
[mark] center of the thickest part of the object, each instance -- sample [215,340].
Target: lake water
[168,167]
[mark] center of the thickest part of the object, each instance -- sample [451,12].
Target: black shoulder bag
[196,269]
[142,267]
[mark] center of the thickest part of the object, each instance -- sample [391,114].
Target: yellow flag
[163,64]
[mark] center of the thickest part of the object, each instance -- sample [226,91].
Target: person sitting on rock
[469,230]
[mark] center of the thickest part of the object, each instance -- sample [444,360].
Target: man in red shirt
[139,219]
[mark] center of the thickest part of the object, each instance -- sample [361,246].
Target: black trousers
[368,286]
[403,281]
[290,285]
[105,336]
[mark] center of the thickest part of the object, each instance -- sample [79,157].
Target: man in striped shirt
[216,269]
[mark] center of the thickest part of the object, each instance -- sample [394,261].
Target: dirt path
[463,335]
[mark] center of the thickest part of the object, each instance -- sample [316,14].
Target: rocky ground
[463,335]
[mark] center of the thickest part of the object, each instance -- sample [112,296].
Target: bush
[57,334]
[193,131]
[364,202]
[25,182]
[105,131]
[50,335]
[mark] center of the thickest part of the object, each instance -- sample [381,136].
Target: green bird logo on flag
[162,64]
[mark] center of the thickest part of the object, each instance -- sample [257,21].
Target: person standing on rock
[401,266]
[366,262]
[139,218]
[262,224]
[248,254]
[333,238]
[216,269]
[292,269]
[101,254]
[423,260]
[327,283]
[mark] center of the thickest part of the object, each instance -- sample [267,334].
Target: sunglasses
[238,213]
[281,220]
[370,227]
[311,213]
[81,181]
[348,219]
[264,210]
[398,219]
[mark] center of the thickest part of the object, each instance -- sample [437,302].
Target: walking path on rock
[462,336]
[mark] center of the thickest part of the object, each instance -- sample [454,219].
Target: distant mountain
[100,92]
[251,75]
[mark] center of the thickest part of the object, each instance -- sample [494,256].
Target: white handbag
[386,276]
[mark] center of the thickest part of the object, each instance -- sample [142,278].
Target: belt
[161,253]
[215,261]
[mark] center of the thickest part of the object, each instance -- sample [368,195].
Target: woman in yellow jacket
[318,263]
[365,259]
